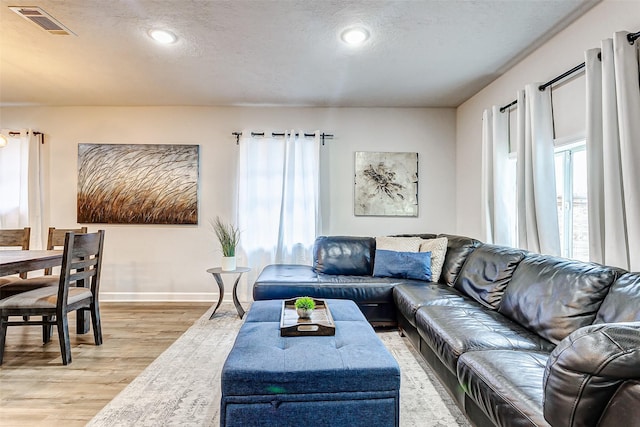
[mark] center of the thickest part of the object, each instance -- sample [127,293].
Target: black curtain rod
[630,37]
[323,135]
[15,133]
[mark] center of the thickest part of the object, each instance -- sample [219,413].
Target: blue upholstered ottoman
[349,379]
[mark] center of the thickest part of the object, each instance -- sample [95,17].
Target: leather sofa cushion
[487,272]
[347,255]
[624,407]
[621,302]
[364,292]
[282,281]
[555,296]
[586,369]
[506,385]
[458,249]
[451,331]
[287,273]
[409,297]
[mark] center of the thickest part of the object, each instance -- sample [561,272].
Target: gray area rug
[182,386]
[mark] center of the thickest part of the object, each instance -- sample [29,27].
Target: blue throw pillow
[403,265]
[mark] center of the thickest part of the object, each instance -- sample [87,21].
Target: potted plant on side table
[228,236]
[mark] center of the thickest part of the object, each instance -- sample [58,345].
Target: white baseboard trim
[162,297]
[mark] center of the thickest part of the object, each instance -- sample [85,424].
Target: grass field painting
[138,183]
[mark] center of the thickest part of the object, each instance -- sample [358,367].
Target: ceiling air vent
[42,19]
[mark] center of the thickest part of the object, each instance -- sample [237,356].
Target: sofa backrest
[555,296]
[622,303]
[355,255]
[348,255]
[458,249]
[487,272]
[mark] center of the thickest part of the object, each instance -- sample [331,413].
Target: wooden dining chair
[55,240]
[81,265]
[15,239]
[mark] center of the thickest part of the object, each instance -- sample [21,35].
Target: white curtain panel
[497,181]
[278,200]
[299,214]
[21,185]
[486,190]
[613,152]
[537,216]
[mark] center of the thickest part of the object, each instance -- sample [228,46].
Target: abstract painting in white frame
[386,184]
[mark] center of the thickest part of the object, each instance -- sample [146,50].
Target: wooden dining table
[20,261]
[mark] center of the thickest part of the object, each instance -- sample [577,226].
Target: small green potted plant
[304,307]
[228,236]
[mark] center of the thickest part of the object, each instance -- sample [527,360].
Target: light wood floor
[37,390]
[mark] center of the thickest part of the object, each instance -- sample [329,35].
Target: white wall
[169,262]
[560,54]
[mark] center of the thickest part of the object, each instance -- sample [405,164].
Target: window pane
[560,201]
[580,235]
[513,195]
[571,189]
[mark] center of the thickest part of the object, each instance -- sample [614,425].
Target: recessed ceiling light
[355,36]
[163,36]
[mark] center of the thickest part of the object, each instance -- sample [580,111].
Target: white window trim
[568,142]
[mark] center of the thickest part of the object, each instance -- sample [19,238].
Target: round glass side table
[217,273]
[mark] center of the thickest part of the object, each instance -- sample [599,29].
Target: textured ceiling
[270,52]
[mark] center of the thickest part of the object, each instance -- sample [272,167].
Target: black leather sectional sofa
[518,339]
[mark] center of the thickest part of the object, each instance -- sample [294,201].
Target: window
[572,203]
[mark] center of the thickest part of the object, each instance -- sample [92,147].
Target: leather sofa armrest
[624,407]
[585,370]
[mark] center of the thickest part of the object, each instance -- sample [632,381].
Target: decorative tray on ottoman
[320,323]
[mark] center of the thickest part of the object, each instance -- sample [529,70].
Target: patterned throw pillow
[438,249]
[399,244]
